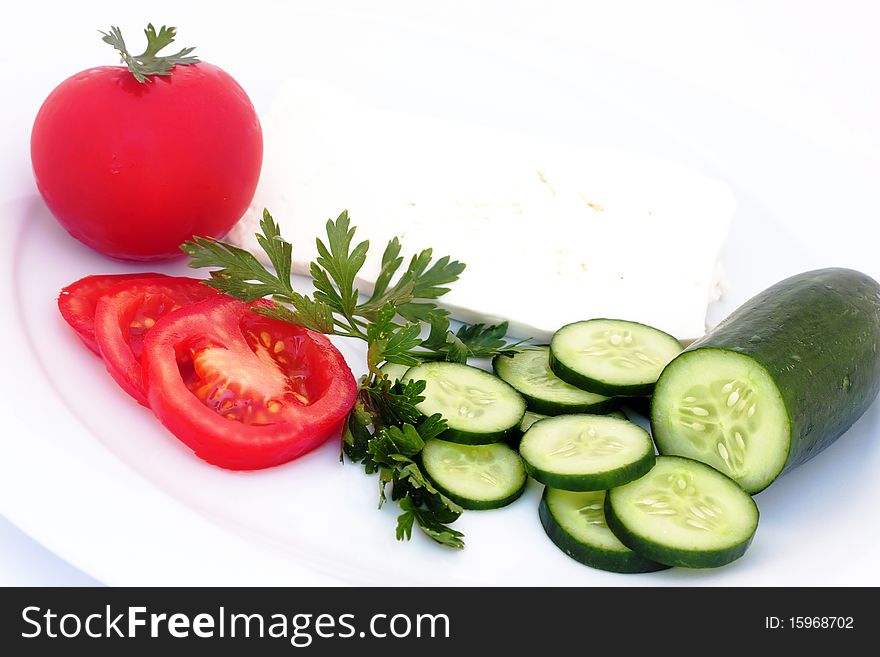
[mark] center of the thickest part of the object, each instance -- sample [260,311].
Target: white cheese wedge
[550,234]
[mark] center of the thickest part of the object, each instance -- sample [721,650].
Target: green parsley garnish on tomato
[401,324]
[150,62]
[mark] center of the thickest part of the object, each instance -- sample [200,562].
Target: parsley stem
[348,334]
[349,330]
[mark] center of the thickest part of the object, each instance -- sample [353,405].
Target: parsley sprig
[390,320]
[391,449]
[150,62]
[401,323]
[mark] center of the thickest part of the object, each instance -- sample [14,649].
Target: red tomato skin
[77,302]
[134,169]
[226,443]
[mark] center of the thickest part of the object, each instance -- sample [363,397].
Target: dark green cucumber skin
[512,439]
[546,407]
[670,556]
[475,505]
[578,380]
[471,438]
[593,556]
[582,483]
[829,319]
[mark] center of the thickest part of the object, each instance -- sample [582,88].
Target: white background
[705,71]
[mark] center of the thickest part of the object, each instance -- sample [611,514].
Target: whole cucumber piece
[778,381]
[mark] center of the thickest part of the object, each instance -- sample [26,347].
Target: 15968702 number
[809,623]
[821,622]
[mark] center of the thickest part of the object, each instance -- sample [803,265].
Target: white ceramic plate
[96,479]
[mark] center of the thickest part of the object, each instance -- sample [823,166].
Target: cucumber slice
[575,522]
[683,513]
[529,372]
[620,415]
[611,356]
[529,419]
[586,452]
[723,408]
[393,371]
[475,476]
[479,408]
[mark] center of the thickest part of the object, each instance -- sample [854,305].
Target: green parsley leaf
[279,250]
[308,313]
[482,341]
[356,434]
[405,520]
[150,62]
[428,523]
[394,404]
[337,266]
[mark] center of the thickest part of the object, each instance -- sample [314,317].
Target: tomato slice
[124,315]
[77,302]
[244,391]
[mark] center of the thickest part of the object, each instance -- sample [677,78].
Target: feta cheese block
[550,234]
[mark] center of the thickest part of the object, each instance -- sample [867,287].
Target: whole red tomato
[134,168]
